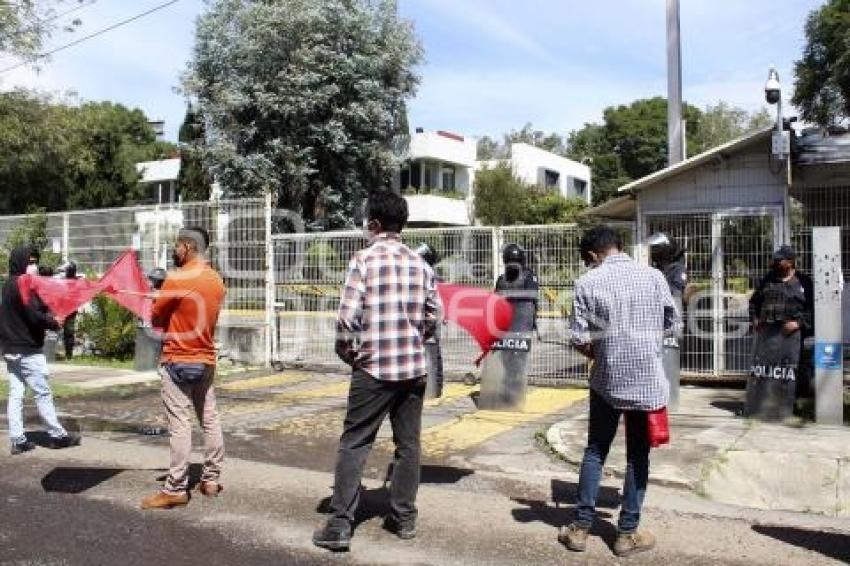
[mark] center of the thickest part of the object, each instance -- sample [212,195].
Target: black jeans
[369,402]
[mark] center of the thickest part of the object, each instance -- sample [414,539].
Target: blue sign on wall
[828,355]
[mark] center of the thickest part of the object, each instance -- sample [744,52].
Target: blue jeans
[30,371]
[602,428]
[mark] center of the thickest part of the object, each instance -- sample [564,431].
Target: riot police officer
[520,287]
[782,311]
[70,325]
[668,257]
[503,379]
[433,352]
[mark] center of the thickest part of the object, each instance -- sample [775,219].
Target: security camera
[772,88]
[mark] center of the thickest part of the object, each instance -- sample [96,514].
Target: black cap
[512,253]
[784,252]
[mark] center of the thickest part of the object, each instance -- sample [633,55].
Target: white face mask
[32,269]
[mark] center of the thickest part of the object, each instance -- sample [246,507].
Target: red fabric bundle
[658,427]
[62,296]
[124,282]
[485,315]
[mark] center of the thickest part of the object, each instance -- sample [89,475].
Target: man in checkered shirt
[621,311]
[388,309]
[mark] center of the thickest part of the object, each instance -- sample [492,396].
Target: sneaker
[335,536]
[404,531]
[21,447]
[632,543]
[574,537]
[65,441]
[210,488]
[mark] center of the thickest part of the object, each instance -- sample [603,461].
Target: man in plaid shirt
[388,309]
[621,311]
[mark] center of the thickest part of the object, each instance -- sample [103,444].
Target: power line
[92,35]
[53,17]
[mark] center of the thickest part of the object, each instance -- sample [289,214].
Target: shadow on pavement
[435,474]
[373,503]
[832,545]
[732,405]
[76,480]
[556,515]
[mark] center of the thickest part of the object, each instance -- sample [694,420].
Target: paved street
[490,494]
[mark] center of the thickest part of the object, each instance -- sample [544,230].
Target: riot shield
[504,373]
[773,376]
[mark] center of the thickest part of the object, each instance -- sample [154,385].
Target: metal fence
[283,289]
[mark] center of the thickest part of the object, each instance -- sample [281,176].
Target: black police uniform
[773,382]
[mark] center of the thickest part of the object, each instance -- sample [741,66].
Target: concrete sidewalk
[94,377]
[730,459]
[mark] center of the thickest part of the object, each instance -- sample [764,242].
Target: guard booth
[731,207]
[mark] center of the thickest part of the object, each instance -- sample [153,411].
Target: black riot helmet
[513,254]
[428,254]
[157,277]
[70,270]
[663,249]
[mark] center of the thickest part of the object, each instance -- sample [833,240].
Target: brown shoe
[573,537]
[632,543]
[162,500]
[210,488]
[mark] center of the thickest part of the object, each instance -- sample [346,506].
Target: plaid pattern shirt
[388,306]
[623,310]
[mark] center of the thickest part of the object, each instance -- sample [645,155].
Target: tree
[31,231]
[193,182]
[723,122]
[501,199]
[62,156]
[822,85]
[303,98]
[487,148]
[25,24]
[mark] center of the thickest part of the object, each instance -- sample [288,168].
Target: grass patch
[95,361]
[60,390]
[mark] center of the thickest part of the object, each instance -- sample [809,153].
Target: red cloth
[127,285]
[485,315]
[123,281]
[62,296]
[658,427]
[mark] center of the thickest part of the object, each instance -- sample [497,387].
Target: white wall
[441,147]
[529,164]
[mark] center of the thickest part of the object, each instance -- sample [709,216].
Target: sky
[491,65]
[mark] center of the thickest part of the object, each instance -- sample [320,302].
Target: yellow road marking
[266,381]
[451,393]
[472,429]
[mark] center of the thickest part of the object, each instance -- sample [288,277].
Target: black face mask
[512,271]
[178,261]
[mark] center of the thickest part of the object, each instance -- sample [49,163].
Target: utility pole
[675,131]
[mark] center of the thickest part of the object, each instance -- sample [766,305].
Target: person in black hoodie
[22,329]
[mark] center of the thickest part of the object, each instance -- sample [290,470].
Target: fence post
[498,241]
[717,308]
[156,252]
[66,253]
[270,281]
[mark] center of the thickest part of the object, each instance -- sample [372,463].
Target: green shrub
[109,328]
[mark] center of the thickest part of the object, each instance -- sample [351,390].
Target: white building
[160,180]
[438,176]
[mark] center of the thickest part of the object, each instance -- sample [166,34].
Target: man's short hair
[600,239]
[388,208]
[196,237]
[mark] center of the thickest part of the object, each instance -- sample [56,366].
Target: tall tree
[822,86]
[61,155]
[193,182]
[303,98]
[723,122]
[25,24]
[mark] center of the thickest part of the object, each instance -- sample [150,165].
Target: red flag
[127,285]
[62,296]
[485,315]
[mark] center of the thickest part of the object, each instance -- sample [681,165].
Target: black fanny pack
[183,373]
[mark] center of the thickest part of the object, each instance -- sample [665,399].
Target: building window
[551,179]
[448,179]
[579,186]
